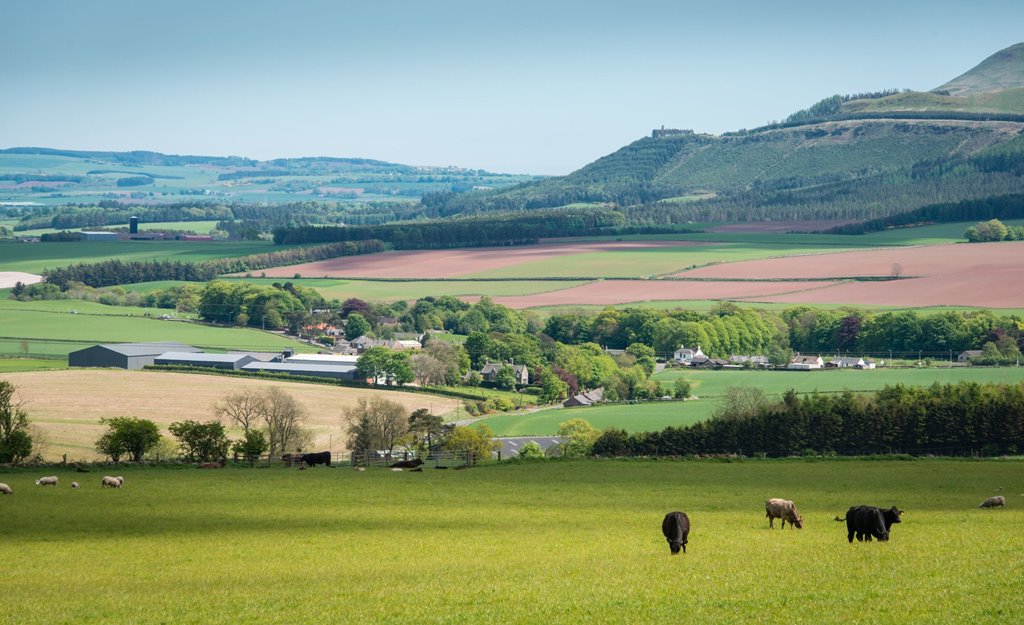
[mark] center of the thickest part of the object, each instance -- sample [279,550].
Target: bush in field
[532,451]
[15,439]
[127,436]
[201,442]
[581,437]
[251,446]
[682,388]
[477,441]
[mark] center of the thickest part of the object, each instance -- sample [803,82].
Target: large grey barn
[337,372]
[202,359]
[124,355]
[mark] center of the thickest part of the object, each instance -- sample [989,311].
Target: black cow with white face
[867,521]
[676,528]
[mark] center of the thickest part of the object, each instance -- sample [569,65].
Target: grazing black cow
[676,528]
[407,464]
[868,521]
[322,457]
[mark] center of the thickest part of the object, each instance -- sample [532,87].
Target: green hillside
[851,157]
[1001,71]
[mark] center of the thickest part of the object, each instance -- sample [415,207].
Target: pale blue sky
[525,87]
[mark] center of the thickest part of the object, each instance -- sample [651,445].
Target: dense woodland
[955,420]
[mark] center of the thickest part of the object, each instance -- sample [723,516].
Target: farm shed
[97,236]
[202,359]
[323,359]
[586,398]
[336,372]
[124,355]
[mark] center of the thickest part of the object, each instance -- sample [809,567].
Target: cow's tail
[840,519]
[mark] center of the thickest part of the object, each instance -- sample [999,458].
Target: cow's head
[893,515]
[675,545]
[798,522]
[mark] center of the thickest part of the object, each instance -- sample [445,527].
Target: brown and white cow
[784,509]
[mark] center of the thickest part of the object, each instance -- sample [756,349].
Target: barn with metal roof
[202,359]
[337,372]
[124,355]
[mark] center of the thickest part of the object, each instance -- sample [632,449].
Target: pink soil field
[609,292]
[453,263]
[976,274]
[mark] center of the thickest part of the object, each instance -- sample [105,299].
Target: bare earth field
[454,263]
[67,405]
[608,292]
[9,278]
[984,275]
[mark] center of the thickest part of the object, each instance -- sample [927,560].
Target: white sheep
[994,502]
[5,489]
[111,482]
[74,484]
[50,480]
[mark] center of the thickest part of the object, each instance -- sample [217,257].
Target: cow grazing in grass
[407,464]
[313,459]
[111,482]
[5,489]
[50,480]
[994,502]
[676,528]
[868,521]
[783,509]
[213,465]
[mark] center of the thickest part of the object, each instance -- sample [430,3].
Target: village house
[849,362]
[966,356]
[684,355]
[587,398]
[491,369]
[749,361]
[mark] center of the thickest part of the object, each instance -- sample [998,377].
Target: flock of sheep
[53,480]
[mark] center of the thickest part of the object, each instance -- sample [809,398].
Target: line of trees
[115,271]
[951,419]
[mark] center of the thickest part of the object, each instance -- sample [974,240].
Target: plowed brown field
[453,263]
[979,274]
[67,405]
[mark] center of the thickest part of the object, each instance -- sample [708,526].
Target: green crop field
[714,383]
[545,542]
[199,227]
[709,387]
[644,417]
[653,261]
[15,365]
[50,329]
[34,257]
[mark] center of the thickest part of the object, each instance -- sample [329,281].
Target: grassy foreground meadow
[549,542]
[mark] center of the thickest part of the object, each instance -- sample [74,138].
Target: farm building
[684,355]
[201,359]
[587,398]
[87,235]
[805,363]
[323,359]
[491,369]
[966,356]
[124,355]
[849,362]
[335,372]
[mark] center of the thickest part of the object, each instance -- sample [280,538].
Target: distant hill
[847,157]
[999,72]
[53,176]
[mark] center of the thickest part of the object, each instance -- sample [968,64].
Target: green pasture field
[14,365]
[49,329]
[708,388]
[199,227]
[655,261]
[644,417]
[35,257]
[392,291]
[554,542]
[715,383]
